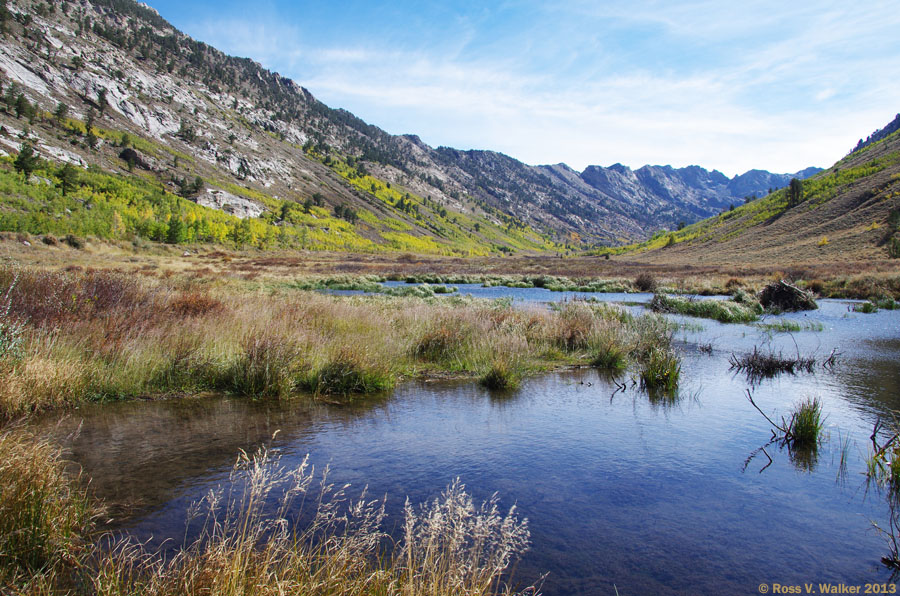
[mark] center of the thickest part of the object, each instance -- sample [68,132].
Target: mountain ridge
[264,138]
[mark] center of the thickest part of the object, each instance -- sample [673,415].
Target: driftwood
[786,297]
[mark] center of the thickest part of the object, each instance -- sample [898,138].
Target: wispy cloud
[717,84]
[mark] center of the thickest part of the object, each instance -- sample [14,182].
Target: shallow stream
[623,493]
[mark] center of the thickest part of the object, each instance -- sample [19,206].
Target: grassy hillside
[849,212]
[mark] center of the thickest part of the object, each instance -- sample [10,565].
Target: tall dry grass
[251,540]
[45,512]
[103,336]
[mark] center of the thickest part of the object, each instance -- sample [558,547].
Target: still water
[622,492]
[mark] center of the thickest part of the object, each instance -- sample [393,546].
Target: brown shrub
[195,304]
[645,282]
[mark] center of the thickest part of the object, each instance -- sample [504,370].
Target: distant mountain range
[256,140]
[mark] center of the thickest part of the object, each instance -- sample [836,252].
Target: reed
[45,513]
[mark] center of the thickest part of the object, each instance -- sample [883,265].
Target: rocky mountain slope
[230,135]
[850,212]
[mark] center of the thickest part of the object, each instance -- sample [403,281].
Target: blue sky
[732,86]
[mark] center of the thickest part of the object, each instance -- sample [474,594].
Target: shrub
[73,241]
[195,304]
[645,282]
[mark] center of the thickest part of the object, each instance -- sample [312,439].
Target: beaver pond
[624,492]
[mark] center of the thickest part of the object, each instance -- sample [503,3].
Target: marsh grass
[254,539]
[873,305]
[610,356]
[346,373]
[271,529]
[503,374]
[45,512]
[660,371]
[724,311]
[805,425]
[790,326]
[105,336]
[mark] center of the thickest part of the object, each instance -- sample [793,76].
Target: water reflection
[644,492]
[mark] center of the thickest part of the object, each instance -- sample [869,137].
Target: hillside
[849,212]
[227,134]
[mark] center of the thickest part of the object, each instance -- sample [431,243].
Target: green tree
[27,161]
[61,112]
[68,178]
[22,105]
[89,121]
[176,231]
[795,192]
[102,101]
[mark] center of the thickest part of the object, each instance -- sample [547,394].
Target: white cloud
[801,91]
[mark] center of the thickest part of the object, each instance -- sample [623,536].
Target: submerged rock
[786,297]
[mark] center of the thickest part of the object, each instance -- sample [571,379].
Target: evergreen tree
[101,101]
[795,192]
[27,161]
[61,112]
[22,105]
[68,178]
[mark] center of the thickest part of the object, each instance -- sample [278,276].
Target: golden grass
[103,335]
[270,530]
[44,512]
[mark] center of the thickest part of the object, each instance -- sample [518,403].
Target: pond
[624,493]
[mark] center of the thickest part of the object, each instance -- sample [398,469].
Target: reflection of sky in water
[649,496]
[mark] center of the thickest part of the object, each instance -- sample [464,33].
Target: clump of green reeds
[789,326]
[875,304]
[884,463]
[724,311]
[44,511]
[450,546]
[609,355]
[504,374]
[660,370]
[805,426]
[347,373]
[266,367]
[803,429]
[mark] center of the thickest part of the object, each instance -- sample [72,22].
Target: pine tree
[62,111]
[795,192]
[68,178]
[27,161]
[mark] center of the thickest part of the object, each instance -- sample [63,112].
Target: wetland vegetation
[79,336]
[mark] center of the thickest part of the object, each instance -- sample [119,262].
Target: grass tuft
[347,374]
[660,370]
[504,374]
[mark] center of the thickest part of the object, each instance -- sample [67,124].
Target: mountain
[228,134]
[849,212]
[892,127]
